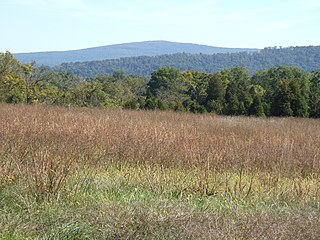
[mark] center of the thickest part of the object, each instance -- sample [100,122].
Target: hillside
[148,48]
[305,58]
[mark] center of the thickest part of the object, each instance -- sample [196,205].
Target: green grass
[153,202]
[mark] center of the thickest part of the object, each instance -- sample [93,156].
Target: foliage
[12,83]
[277,91]
[167,86]
[314,100]
[287,91]
[304,58]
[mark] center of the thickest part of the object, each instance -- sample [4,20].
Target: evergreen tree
[314,100]
[288,100]
[256,107]
[290,81]
[238,98]
[216,92]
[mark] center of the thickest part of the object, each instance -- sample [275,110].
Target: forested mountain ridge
[116,51]
[305,58]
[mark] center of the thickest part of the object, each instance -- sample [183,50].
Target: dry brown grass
[169,154]
[43,145]
[284,145]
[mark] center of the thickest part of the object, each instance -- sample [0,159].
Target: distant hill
[305,58]
[149,48]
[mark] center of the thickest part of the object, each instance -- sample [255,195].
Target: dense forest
[276,91]
[305,58]
[116,51]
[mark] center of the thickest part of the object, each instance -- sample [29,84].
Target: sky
[58,25]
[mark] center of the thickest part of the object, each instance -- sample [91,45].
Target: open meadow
[80,173]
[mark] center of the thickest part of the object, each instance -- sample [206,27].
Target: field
[113,174]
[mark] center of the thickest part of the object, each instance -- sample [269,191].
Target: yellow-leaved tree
[12,80]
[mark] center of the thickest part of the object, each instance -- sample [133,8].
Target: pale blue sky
[46,25]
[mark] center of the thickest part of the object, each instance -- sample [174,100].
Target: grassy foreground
[112,174]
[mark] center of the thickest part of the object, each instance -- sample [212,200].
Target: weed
[75,173]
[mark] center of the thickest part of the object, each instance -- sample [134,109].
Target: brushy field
[112,174]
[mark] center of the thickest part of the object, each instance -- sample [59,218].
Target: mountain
[148,48]
[305,58]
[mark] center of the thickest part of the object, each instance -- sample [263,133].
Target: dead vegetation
[157,173]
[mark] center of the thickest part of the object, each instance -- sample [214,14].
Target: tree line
[276,91]
[305,58]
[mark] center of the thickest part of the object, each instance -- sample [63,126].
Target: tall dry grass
[157,175]
[43,145]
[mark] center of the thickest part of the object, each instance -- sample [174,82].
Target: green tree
[91,95]
[12,82]
[216,92]
[164,79]
[127,91]
[45,86]
[196,90]
[118,75]
[238,97]
[272,80]
[288,100]
[256,107]
[167,86]
[314,101]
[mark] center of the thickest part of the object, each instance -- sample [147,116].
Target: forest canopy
[305,58]
[276,91]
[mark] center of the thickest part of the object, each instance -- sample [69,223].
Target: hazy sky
[45,25]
